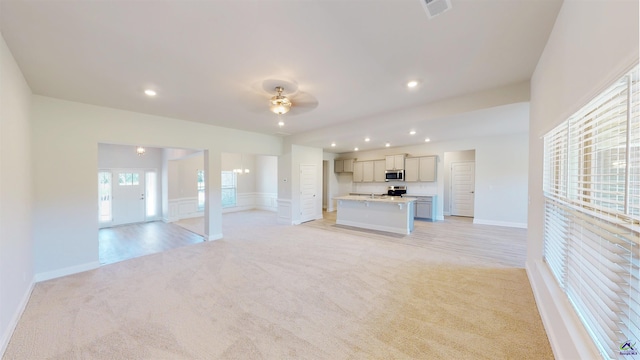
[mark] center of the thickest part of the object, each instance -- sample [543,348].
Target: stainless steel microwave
[394,175]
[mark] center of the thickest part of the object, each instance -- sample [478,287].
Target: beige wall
[16,242]
[183,177]
[66,136]
[592,44]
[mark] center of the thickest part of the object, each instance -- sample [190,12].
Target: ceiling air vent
[435,7]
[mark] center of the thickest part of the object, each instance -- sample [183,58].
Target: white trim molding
[284,211]
[8,332]
[183,208]
[500,223]
[214,237]
[48,275]
[568,338]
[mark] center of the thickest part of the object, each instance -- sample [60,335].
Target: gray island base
[384,213]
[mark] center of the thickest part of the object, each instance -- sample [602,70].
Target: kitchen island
[385,213]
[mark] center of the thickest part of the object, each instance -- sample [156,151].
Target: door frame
[451,193]
[312,216]
[143,183]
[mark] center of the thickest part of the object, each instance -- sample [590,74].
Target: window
[592,194]
[151,199]
[200,190]
[128,179]
[104,197]
[229,186]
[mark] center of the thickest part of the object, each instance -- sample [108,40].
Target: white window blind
[592,213]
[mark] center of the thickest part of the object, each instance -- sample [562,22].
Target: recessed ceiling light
[427,140]
[367,139]
[333,144]
[412,84]
[412,132]
[355,149]
[281,123]
[150,92]
[387,144]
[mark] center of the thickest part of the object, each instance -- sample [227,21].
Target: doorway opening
[132,188]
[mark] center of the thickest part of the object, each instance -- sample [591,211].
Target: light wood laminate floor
[456,235]
[130,241]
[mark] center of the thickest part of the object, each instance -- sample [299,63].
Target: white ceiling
[208,61]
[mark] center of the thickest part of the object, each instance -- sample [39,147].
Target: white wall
[501,176]
[65,153]
[111,156]
[16,242]
[183,178]
[267,174]
[289,181]
[592,44]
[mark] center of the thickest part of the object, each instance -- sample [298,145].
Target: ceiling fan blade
[304,100]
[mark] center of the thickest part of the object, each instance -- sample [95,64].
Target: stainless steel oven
[394,175]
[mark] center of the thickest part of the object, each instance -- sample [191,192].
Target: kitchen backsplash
[430,188]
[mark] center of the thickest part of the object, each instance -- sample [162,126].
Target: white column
[213,199]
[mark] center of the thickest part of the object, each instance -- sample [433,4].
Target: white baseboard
[6,334]
[48,275]
[500,223]
[232,209]
[447,213]
[568,338]
[213,237]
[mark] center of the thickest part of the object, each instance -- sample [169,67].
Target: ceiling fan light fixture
[279,104]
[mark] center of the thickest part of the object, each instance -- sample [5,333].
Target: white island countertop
[379,212]
[377,198]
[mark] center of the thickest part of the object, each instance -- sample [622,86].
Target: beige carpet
[286,292]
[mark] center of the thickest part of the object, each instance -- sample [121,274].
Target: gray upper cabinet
[357,171]
[395,162]
[411,169]
[420,169]
[427,168]
[369,171]
[348,165]
[379,167]
[345,165]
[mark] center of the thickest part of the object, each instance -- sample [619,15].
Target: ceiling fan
[279,103]
[280,97]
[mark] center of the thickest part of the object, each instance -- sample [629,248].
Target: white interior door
[462,188]
[308,198]
[128,196]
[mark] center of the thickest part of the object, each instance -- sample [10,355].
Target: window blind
[591,187]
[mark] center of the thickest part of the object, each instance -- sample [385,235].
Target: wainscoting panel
[284,211]
[183,208]
[267,201]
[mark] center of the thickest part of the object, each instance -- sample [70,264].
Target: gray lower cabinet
[425,207]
